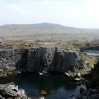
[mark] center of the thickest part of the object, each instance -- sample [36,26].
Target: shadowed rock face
[40,60]
[50,59]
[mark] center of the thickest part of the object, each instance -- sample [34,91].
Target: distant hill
[42,28]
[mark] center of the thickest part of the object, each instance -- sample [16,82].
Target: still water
[92,52]
[56,86]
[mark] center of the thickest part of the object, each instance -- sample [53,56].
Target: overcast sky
[74,13]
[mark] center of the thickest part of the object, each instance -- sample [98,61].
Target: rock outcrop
[40,60]
[52,59]
[9,58]
[10,91]
[88,93]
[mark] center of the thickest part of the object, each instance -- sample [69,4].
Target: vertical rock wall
[50,59]
[39,60]
[9,58]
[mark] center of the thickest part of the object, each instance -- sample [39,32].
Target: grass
[68,46]
[50,36]
[91,61]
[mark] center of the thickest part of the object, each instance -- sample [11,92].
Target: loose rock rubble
[11,91]
[89,93]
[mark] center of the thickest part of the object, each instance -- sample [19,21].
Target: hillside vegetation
[47,31]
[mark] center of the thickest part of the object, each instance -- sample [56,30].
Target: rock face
[88,93]
[10,91]
[40,60]
[51,59]
[8,58]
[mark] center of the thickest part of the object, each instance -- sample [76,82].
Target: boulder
[41,98]
[12,91]
[83,91]
[78,74]
[77,79]
[1,97]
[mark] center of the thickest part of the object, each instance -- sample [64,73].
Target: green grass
[68,46]
[91,61]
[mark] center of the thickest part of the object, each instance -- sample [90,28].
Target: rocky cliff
[53,59]
[9,58]
[40,60]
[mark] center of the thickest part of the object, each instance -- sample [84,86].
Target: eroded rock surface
[40,60]
[11,91]
[51,59]
[9,58]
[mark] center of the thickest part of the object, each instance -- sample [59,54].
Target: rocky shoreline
[42,61]
[89,92]
[11,91]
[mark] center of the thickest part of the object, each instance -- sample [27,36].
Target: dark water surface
[57,87]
